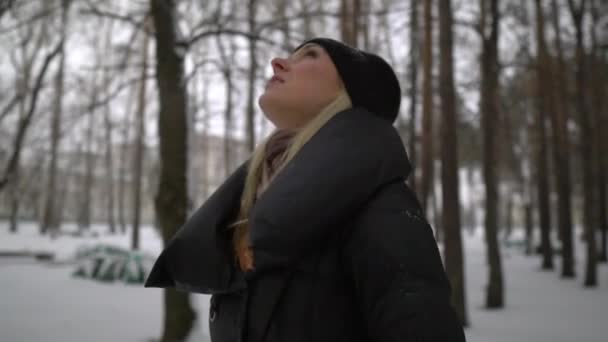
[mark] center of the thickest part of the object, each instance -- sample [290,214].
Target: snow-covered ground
[41,301]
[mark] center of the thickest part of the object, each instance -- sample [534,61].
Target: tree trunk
[427,155]
[542,167]
[364,19]
[49,219]
[122,165]
[586,146]
[85,218]
[349,18]
[140,133]
[227,65]
[171,201]
[601,77]
[509,217]
[529,226]
[454,258]
[599,109]
[413,91]
[561,149]
[14,198]
[306,19]
[253,64]
[282,9]
[108,138]
[489,113]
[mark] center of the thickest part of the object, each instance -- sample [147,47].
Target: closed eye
[311,53]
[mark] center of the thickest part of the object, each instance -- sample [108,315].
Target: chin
[270,109]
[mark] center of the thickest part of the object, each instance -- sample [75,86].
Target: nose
[279,64]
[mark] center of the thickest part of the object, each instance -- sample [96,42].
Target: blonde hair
[255,169]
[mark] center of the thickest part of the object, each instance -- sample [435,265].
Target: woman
[317,237]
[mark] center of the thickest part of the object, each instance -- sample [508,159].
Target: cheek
[316,84]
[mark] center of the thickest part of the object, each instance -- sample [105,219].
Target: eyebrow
[304,48]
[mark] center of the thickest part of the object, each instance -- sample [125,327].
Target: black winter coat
[342,251]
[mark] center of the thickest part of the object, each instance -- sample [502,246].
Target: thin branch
[7,109]
[38,16]
[117,91]
[25,122]
[232,32]
[94,10]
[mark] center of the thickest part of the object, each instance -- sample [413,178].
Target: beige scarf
[274,154]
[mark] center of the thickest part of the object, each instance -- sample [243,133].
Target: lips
[275,79]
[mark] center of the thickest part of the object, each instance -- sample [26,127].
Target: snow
[41,301]
[540,306]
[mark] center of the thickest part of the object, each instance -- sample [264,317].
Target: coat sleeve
[399,282]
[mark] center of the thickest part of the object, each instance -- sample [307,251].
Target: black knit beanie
[370,81]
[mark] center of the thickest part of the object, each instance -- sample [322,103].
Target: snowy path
[41,302]
[540,307]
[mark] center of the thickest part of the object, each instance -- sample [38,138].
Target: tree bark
[454,257]
[227,65]
[50,217]
[364,10]
[542,164]
[85,216]
[586,146]
[108,138]
[253,64]
[427,150]
[306,19]
[124,173]
[413,91]
[171,201]
[559,119]
[600,77]
[285,28]
[349,18]
[489,118]
[140,133]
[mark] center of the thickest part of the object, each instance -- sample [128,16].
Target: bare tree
[349,19]
[413,90]
[140,134]
[109,141]
[307,19]
[23,62]
[253,65]
[600,77]
[427,155]
[171,201]
[50,219]
[577,11]
[453,255]
[226,70]
[541,144]
[561,145]
[85,203]
[364,23]
[285,27]
[24,122]
[489,31]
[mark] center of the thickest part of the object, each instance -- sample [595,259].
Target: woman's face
[301,86]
